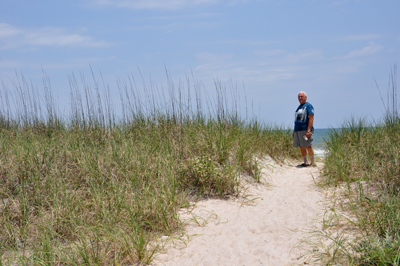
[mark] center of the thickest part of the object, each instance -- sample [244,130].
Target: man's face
[302,98]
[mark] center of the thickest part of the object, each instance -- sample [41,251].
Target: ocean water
[319,145]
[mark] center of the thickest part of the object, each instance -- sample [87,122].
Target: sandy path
[265,232]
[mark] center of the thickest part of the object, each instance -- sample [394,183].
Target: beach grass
[92,188]
[363,158]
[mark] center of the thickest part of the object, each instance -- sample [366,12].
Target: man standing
[303,128]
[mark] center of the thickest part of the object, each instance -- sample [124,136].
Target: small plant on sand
[207,177]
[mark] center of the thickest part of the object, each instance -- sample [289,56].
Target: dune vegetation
[364,159]
[93,188]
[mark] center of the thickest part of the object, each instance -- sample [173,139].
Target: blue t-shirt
[301,116]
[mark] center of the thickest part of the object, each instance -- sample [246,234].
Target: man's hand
[293,135]
[308,134]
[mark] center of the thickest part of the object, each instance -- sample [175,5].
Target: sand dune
[264,231]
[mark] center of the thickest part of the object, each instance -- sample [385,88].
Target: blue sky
[333,50]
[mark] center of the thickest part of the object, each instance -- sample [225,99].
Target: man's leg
[311,153]
[304,153]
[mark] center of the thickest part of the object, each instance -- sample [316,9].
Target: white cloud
[251,73]
[213,58]
[57,37]
[343,2]
[368,50]
[244,42]
[271,66]
[74,63]
[269,52]
[11,36]
[159,4]
[305,56]
[184,16]
[359,37]
[10,64]
[8,31]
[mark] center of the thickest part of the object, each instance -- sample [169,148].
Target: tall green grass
[92,188]
[366,157]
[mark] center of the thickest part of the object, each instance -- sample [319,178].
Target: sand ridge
[264,231]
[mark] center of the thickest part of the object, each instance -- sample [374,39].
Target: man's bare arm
[310,122]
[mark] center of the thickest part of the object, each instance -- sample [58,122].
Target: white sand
[265,231]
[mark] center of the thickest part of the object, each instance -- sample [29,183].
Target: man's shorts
[299,141]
